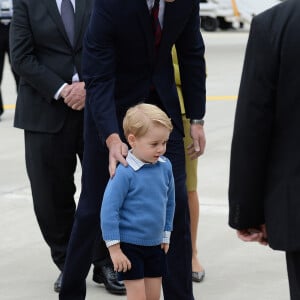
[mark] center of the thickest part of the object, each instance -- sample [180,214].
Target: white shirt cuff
[57,94]
[111,243]
[166,237]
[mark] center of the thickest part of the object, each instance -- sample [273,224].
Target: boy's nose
[160,149]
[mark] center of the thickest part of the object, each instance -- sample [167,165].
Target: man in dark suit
[264,188]
[126,62]
[46,51]
[4,49]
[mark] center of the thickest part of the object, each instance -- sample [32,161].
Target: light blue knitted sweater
[138,205]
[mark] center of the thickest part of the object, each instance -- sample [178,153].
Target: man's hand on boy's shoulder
[117,152]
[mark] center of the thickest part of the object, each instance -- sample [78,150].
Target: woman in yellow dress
[198,272]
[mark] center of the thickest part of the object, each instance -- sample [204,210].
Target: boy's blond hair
[140,117]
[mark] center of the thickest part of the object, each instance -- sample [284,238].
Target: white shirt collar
[58,2]
[161,11]
[136,163]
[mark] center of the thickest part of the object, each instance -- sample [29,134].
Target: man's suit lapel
[55,15]
[145,21]
[79,18]
[166,26]
[171,26]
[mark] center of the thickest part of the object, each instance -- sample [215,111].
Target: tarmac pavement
[234,270]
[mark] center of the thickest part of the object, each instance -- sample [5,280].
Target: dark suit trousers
[4,48]
[293,267]
[86,224]
[177,284]
[51,162]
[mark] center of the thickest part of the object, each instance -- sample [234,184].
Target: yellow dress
[190,165]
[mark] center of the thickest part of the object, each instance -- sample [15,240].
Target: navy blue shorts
[146,262]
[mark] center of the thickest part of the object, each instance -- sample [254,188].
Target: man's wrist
[113,138]
[58,93]
[197,121]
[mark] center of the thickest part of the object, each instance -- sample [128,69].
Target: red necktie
[155,24]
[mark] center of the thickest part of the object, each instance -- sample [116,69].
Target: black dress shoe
[106,274]
[57,283]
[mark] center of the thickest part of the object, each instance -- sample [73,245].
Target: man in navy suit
[121,67]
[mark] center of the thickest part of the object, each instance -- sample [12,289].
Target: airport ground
[234,270]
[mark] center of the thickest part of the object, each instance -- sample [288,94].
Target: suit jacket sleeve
[190,51]
[24,57]
[253,129]
[99,69]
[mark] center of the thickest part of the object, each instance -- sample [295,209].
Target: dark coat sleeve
[99,69]
[190,50]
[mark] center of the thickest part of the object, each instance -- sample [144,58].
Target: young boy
[139,202]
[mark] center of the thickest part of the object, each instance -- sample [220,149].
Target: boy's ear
[131,139]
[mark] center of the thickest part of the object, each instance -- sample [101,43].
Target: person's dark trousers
[178,282]
[293,267]
[87,218]
[51,160]
[4,49]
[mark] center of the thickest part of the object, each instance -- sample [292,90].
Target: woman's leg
[191,167]
[194,208]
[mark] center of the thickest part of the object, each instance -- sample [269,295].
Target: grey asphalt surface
[234,270]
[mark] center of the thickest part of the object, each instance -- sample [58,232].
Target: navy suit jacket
[119,63]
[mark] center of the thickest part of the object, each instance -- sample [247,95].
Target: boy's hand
[120,261]
[165,247]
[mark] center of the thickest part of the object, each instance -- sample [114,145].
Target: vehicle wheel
[223,24]
[209,23]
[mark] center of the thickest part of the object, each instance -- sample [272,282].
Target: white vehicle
[217,14]
[225,14]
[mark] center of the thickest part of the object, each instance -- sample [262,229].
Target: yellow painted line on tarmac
[208,98]
[221,98]
[9,106]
